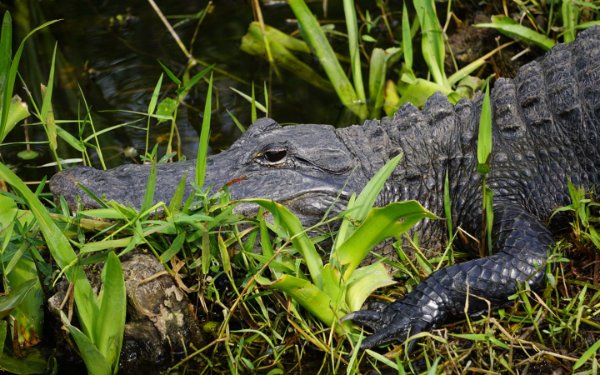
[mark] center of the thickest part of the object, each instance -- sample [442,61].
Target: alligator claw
[394,323]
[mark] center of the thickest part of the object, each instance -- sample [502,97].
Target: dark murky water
[111,49]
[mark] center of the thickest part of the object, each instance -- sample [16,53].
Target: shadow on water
[109,51]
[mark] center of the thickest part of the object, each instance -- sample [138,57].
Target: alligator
[546,132]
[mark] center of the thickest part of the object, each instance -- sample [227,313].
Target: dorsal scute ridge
[506,110]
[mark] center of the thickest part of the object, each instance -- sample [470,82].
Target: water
[109,51]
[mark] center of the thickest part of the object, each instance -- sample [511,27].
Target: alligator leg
[521,246]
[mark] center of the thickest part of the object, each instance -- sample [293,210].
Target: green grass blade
[46,113]
[5,49]
[253,116]
[150,186]
[110,323]
[177,200]
[407,49]
[70,139]
[151,109]
[196,78]
[512,29]
[354,47]
[587,355]
[484,140]
[170,74]
[9,83]
[258,105]
[448,206]
[570,14]
[316,39]
[204,133]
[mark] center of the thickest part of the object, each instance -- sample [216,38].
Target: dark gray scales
[546,131]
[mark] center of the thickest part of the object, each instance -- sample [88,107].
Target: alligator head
[308,168]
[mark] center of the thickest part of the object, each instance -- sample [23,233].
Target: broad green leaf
[433,48]
[254,43]
[29,314]
[297,234]
[17,112]
[377,72]
[512,29]
[110,322]
[359,208]
[381,223]
[368,196]
[94,361]
[11,300]
[364,281]
[8,213]
[313,299]
[33,363]
[332,286]
[166,109]
[392,100]
[59,248]
[419,91]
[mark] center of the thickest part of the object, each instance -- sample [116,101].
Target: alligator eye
[274,156]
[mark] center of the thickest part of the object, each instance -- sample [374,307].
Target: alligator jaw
[310,206]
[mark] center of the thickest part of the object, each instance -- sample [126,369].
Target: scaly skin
[546,131]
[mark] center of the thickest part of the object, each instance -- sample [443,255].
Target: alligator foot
[394,322]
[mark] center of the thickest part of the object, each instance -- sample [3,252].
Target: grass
[250,302]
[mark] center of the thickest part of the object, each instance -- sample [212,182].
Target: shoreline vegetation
[275,310]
